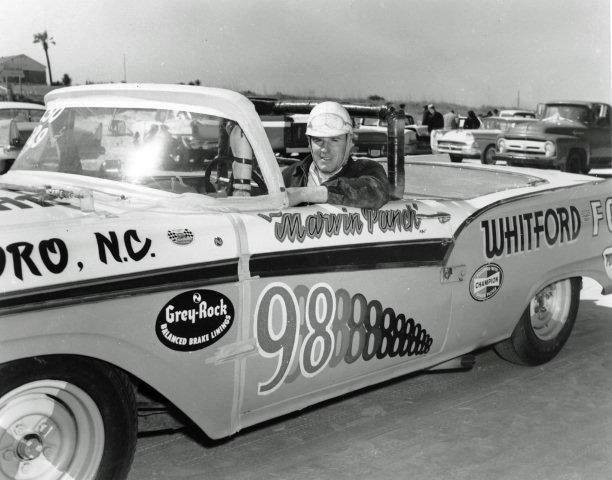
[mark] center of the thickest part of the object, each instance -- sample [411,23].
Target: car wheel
[488,156]
[573,164]
[455,158]
[544,326]
[65,417]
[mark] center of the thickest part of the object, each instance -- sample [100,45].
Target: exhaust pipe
[464,362]
[396,122]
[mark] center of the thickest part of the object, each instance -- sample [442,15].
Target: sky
[470,52]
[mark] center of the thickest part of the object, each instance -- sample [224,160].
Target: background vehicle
[210,291]
[437,134]
[570,135]
[287,134]
[372,138]
[480,143]
[517,113]
[17,121]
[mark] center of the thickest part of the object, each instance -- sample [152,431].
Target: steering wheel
[220,183]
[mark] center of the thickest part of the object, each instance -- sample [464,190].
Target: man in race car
[329,174]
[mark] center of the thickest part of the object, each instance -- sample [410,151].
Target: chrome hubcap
[29,447]
[49,430]
[549,309]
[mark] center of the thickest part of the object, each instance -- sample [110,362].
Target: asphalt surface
[442,157]
[496,421]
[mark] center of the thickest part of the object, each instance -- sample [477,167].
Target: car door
[340,298]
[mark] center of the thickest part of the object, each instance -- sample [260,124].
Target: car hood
[46,198]
[463,136]
[556,127]
[421,130]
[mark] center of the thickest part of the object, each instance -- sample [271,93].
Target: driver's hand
[297,195]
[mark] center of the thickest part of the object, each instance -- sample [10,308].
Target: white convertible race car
[146,241]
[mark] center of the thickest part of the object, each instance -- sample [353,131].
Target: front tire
[455,158]
[574,162]
[65,417]
[488,156]
[545,325]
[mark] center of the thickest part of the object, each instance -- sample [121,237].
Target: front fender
[202,388]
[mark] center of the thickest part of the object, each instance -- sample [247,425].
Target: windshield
[492,123]
[175,151]
[573,113]
[503,124]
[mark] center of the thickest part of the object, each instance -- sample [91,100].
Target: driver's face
[328,152]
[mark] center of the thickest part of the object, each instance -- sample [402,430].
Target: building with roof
[16,69]
[22,78]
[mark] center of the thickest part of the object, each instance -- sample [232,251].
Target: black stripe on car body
[138,283]
[351,257]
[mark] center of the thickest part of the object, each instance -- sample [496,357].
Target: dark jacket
[471,123]
[436,121]
[360,183]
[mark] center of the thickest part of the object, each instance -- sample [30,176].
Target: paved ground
[498,421]
[442,157]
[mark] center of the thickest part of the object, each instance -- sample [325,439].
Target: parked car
[371,139]
[435,135]
[480,143]
[211,292]
[572,136]
[17,121]
[287,134]
[517,113]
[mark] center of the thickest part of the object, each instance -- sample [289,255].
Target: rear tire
[488,156]
[455,158]
[66,417]
[544,326]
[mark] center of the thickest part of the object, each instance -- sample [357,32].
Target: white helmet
[328,119]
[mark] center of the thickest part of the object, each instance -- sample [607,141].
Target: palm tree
[46,40]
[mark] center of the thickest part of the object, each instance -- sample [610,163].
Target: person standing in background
[450,120]
[426,116]
[436,121]
[471,122]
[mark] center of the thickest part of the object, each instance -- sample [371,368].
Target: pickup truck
[572,136]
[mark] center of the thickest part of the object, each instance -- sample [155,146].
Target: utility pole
[124,74]
[518,99]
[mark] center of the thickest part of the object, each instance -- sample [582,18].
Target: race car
[199,283]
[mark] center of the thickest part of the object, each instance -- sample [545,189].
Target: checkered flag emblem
[181,236]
